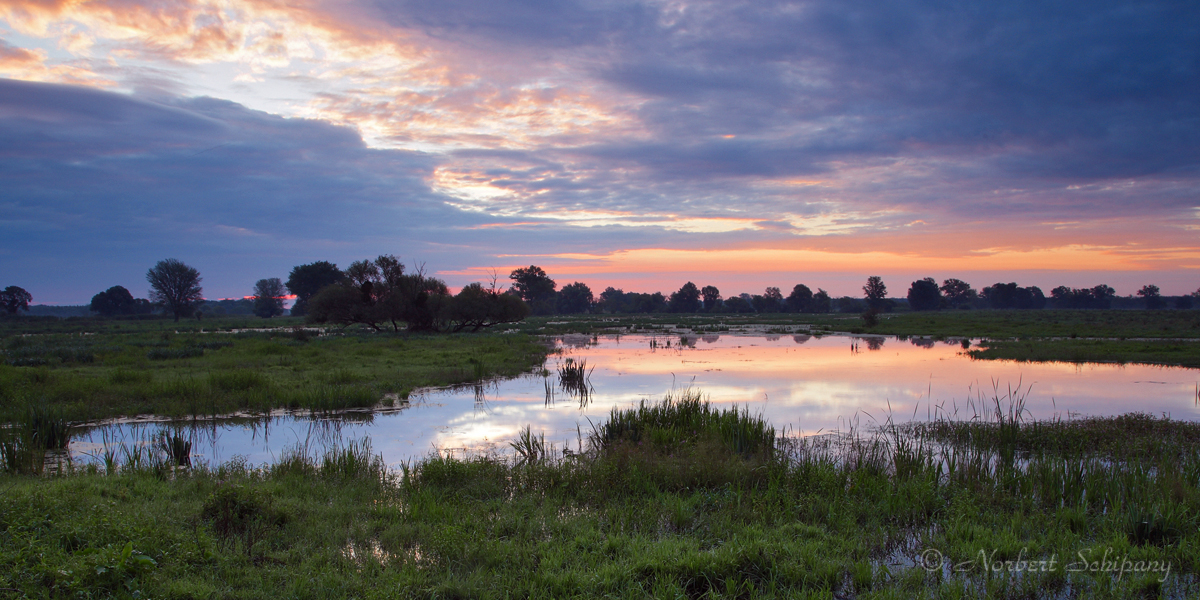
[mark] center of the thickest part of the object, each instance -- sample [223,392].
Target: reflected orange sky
[825,384]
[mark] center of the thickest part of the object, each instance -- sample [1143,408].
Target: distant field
[1166,337]
[995,324]
[96,369]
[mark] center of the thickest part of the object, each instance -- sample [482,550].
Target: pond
[802,384]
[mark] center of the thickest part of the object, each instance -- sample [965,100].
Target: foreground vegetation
[673,499]
[111,368]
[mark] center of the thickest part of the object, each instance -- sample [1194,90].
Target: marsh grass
[143,368]
[176,448]
[574,378]
[683,418]
[666,503]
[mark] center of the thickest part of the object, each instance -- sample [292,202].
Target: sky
[634,144]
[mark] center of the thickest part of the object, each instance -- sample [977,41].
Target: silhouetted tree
[268,297]
[611,300]
[476,307]
[738,304]
[379,292]
[1097,297]
[535,287]
[1151,295]
[13,298]
[686,299]
[1010,295]
[117,300]
[772,301]
[306,280]
[957,292]
[712,297]
[924,295]
[175,286]
[821,302]
[575,298]
[849,304]
[876,293]
[1184,302]
[800,300]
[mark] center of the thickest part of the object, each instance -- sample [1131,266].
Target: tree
[1152,296]
[175,286]
[821,303]
[738,304]
[800,300]
[575,298]
[875,292]
[476,307]
[924,295]
[686,299]
[117,300]
[957,292]
[377,292]
[612,300]
[306,280]
[14,298]
[268,297]
[772,301]
[535,287]
[711,296]
[1010,295]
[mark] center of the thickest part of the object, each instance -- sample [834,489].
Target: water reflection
[806,384]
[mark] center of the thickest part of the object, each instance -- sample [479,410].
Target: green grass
[1166,337]
[137,367]
[1155,352]
[995,324]
[675,510]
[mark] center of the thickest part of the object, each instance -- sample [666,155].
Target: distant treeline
[382,294]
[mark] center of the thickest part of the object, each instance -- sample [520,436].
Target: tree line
[383,294]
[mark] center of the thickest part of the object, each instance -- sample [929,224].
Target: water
[804,384]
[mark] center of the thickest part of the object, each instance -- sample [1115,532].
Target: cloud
[472,129]
[118,180]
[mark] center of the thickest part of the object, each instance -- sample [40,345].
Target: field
[101,369]
[674,499]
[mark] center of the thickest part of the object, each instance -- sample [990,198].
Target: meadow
[674,498]
[86,370]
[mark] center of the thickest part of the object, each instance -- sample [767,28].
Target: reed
[176,448]
[531,449]
[354,461]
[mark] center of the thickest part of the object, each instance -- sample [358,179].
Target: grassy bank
[149,367]
[672,499]
[1166,337]
[995,324]
[1152,352]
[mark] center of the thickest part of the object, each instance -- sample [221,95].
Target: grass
[1154,352]
[140,367]
[668,499]
[994,324]
[1162,337]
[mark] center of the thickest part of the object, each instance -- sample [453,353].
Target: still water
[803,384]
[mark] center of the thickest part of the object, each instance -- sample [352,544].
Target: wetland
[597,457]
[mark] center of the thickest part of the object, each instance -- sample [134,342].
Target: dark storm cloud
[101,183]
[548,23]
[1044,93]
